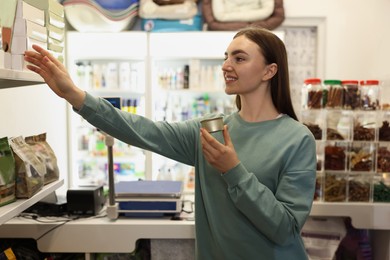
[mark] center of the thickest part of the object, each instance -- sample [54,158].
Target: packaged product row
[364,157]
[342,187]
[347,125]
[109,75]
[343,94]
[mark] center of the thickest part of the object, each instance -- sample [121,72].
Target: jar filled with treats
[351,94]
[384,126]
[312,95]
[334,91]
[369,94]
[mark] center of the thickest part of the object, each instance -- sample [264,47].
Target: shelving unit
[11,210]
[15,78]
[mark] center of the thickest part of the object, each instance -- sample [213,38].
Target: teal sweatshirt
[254,211]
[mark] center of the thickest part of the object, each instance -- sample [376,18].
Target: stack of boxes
[40,22]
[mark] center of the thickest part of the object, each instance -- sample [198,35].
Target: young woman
[254,187]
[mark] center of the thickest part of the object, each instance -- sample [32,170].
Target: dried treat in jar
[383,158]
[361,157]
[333,134]
[384,131]
[335,93]
[351,94]
[316,131]
[312,94]
[369,94]
[358,189]
[381,188]
[335,188]
[335,158]
[363,133]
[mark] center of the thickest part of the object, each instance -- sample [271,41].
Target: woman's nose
[226,65]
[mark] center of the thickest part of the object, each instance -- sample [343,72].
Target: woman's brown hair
[274,51]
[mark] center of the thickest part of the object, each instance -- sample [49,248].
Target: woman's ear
[270,71]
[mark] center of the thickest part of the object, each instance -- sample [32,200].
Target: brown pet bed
[270,23]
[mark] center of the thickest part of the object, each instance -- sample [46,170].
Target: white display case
[106,65]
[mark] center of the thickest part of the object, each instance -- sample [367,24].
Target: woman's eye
[239,59]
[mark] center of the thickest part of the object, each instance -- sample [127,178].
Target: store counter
[95,235]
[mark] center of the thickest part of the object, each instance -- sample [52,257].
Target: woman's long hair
[274,51]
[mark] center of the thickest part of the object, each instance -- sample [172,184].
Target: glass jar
[334,98]
[312,94]
[351,94]
[369,94]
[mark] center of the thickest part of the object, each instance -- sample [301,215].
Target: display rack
[17,78]
[11,210]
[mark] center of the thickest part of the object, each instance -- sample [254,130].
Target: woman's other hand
[55,75]
[221,156]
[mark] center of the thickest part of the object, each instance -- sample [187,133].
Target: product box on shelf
[164,25]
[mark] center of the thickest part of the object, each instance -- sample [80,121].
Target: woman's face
[244,68]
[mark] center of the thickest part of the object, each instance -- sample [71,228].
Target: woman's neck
[257,109]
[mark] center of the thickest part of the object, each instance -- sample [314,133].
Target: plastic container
[312,94]
[384,126]
[369,95]
[335,187]
[362,157]
[335,95]
[365,126]
[335,156]
[315,121]
[381,188]
[383,157]
[359,188]
[351,94]
[339,125]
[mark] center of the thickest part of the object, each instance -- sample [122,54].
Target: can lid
[350,82]
[312,81]
[369,82]
[332,82]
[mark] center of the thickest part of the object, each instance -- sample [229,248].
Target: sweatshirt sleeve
[278,215]
[173,140]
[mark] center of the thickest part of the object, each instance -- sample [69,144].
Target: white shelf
[363,215]
[11,210]
[18,78]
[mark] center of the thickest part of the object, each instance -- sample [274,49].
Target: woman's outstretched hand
[222,156]
[55,75]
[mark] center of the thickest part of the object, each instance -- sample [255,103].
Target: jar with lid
[369,94]
[334,94]
[351,94]
[312,96]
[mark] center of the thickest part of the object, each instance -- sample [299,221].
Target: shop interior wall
[357,44]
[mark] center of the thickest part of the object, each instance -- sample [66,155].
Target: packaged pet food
[7,173]
[46,154]
[29,169]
